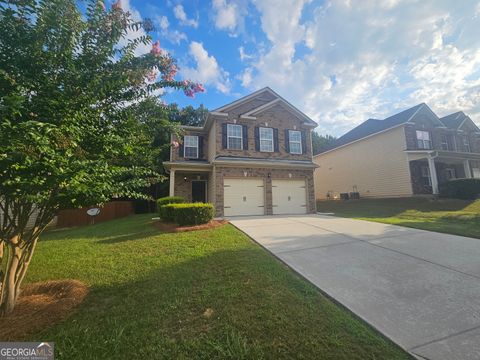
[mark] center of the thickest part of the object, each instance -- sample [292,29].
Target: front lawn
[211,294]
[457,217]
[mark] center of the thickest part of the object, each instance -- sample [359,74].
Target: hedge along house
[251,157]
[406,154]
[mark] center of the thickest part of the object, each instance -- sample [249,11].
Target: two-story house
[409,153]
[251,157]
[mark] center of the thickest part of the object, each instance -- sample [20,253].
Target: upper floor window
[266,139]
[295,141]
[466,144]
[423,140]
[234,137]
[445,145]
[190,147]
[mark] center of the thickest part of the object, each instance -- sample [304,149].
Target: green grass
[457,217]
[149,292]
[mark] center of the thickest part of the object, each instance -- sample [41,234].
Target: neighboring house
[251,157]
[406,154]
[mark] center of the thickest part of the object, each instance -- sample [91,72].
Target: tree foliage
[70,102]
[321,142]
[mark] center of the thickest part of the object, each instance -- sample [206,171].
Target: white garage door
[243,197]
[289,197]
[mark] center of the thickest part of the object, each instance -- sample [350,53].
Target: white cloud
[229,15]
[207,71]
[174,36]
[243,55]
[180,14]
[370,58]
[131,34]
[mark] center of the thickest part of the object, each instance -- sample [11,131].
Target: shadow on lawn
[377,208]
[230,304]
[124,229]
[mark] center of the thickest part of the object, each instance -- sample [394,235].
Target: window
[425,171]
[423,140]
[234,137]
[445,144]
[476,173]
[190,147]
[266,139]
[466,144]
[450,174]
[295,141]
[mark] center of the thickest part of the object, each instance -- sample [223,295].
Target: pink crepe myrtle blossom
[156,50]
[117,5]
[175,144]
[152,75]
[192,88]
[170,73]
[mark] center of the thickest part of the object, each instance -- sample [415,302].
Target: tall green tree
[71,92]
[321,142]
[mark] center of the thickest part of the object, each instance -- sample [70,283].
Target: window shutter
[257,138]
[275,140]
[200,147]
[304,143]
[287,140]
[224,136]
[180,149]
[245,137]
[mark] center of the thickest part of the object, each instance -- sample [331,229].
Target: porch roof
[188,165]
[454,155]
[260,162]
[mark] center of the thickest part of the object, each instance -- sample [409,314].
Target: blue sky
[340,62]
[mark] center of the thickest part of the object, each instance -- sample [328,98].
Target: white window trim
[235,137]
[189,146]
[447,145]
[466,144]
[264,139]
[290,141]
[427,175]
[424,141]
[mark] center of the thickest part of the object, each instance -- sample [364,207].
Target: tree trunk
[17,261]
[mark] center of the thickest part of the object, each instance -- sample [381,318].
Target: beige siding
[377,166]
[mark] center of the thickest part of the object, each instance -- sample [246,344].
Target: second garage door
[243,197]
[289,197]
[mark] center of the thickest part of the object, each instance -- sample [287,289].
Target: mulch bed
[41,305]
[171,227]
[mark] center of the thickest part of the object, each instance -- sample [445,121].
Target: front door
[199,191]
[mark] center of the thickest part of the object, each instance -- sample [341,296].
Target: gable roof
[277,100]
[373,126]
[453,121]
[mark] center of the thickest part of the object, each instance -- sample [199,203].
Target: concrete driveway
[420,288]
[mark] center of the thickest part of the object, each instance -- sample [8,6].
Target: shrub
[192,214]
[167,212]
[467,189]
[170,200]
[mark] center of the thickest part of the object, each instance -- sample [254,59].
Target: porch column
[172,183]
[466,167]
[433,175]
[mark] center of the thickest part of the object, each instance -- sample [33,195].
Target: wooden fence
[79,217]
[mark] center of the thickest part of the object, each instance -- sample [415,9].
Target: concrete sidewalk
[420,288]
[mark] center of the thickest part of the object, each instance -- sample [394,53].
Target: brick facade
[277,117]
[228,172]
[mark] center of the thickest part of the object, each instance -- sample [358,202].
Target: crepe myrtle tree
[71,82]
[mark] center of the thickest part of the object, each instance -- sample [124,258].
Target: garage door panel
[289,197]
[243,197]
